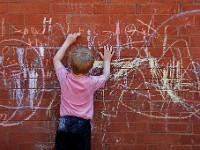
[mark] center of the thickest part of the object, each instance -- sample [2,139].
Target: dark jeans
[73,133]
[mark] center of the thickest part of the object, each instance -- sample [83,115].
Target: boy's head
[81,60]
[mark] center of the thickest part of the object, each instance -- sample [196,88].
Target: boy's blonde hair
[81,60]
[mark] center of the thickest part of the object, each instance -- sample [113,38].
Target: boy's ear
[69,64]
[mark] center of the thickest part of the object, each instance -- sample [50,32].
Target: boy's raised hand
[71,38]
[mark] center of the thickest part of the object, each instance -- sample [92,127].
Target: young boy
[77,89]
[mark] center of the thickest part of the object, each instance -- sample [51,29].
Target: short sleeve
[61,73]
[99,82]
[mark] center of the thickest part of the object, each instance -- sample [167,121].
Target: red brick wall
[152,98]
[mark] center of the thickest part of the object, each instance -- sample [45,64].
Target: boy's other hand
[108,53]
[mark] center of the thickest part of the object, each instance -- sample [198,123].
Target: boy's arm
[108,53]
[71,38]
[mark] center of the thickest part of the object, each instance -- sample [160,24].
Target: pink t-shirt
[77,93]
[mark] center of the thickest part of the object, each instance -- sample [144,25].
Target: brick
[90,19]
[37,1]
[197,22]
[71,9]
[54,1]
[128,1]
[157,52]
[30,145]
[99,105]
[178,21]
[189,139]
[130,19]
[116,94]
[9,115]
[26,31]
[5,94]
[166,30]
[28,8]
[8,0]
[176,41]
[125,146]
[128,53]
[129,95]
[195,147]
[21,114]
[190,7]
[29,126]
[28,137]
[8,146]
[8,103]
[4,29]
[169,128]
[126,127]
[114,9]
[157,138]
[162,106]
[14,19]
[180,147]
[38,126]
[158,147]
[3,8]
[40,115]
[33,146]
[125,105]
[189,30]
[124,138]
[48,126]
[97,146]
[196,128]
[172,1]
[78,1]
[11,41]
[194,41]
[119,82]
[4,137]
[35,19]
[158,9]
[143,95]
[9,128]
[158,117]
[114,116]
[133,106]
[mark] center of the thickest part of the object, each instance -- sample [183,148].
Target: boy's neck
[78,75]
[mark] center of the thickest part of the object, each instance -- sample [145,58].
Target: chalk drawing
[168,79]
[130,30]
[118,43]
[1,59]
[24,73]
[3,116]
[3,27]
[24,79]
[49,25]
